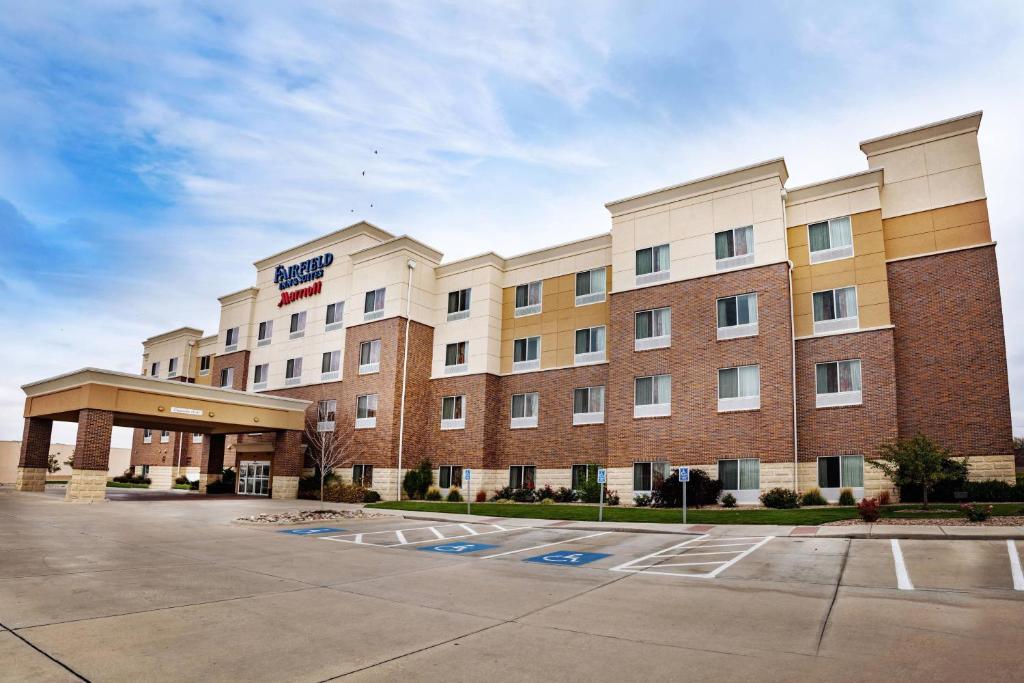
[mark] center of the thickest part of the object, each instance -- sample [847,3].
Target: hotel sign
[186,411]
[310,270]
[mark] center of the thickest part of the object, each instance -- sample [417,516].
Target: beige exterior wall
[236,310]
[207,346]
[942,229]
[10,451]
[482,329]
[175,344]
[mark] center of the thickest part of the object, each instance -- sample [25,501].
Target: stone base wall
[285,487]
[87,486]
[207,479]
[161,476]
[1001,467]
[779,475]
[31,479]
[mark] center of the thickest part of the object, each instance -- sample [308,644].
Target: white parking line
[902,576]
[401,538]
[1018,575]
[399,535]
[544,545]
[436,532]
[626,566]
[700,543]
[738,558]
[470,529]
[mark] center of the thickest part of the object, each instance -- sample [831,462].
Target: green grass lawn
[588,513]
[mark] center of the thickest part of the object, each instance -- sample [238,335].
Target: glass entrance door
[253,477]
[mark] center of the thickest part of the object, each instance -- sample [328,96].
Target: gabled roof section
[919,134]
[403,242]
[179,332]
[490,258]
[833,186]
[360,228]
[240,295]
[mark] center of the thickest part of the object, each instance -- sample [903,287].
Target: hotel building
[771,335]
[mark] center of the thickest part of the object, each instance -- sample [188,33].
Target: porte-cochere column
[92,456]
[211,465]
[287,466]
[35,454]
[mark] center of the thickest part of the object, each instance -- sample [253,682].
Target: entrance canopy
[147,402]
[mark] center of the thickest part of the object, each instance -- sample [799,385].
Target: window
[373,304]
[292,371]
[648,476]
[366,411]
[165,436]
[297,326]
[335,316]
[581,474]
[841,471]
[330,365]
[734,248]
[458,304]
[526,354]
[590,286]
[147,436]
[197,437]
[172,368]
[653,329]
[830,240]
[154,369]
[326,412]
[369,357]
[737,316]
[528,298]
[259,376]
[652,265]
[264,333]
[835,310]
[452,415]
[590,345]
[455,359]
[742,474]
[227,378]
[739,388]
[652,396]
[588,406]
[362,475]
[524,410]
[522,476]
[231,339]
[838,383]
[449,476]
[204,364]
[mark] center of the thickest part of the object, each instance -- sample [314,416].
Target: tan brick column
[92,456]
[35,454]
[287,465]
[211,462]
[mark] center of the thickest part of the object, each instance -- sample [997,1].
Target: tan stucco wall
[11,450]
[949,227]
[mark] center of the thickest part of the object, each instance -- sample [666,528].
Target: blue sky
[150,151]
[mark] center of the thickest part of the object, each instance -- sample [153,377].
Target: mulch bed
[938,521]
[302,516]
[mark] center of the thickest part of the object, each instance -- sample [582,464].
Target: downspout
[405,373]
[792,337]
[188,368]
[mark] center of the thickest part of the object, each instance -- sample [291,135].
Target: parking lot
[173,590]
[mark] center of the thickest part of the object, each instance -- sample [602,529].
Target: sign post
[684,476]
[467,474]
[602,479]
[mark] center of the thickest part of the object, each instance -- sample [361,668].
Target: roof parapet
[920,134]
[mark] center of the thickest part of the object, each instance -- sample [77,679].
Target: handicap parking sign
[602,476]
[684,474]
[567,558]
[314,530]
[456,548]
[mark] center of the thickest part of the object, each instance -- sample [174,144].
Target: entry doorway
[254,477]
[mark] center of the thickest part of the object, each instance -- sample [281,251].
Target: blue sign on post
[467,474]
[602,476]
[567,558]
[456,548]
[684,474]
[310,532]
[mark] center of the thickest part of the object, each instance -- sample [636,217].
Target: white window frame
[297,325]
[197,437]
[377,311]
[661,409]
[737,260]
[529,363]
[522,475]
[334,366]
[339,316]
[326,415]
[264,333]
[832,325]
[526,421]
[457,367]
[591,357]
[656,274]
[832,253]
[738,403]
[230,382]
[834,399]
[529,309]
[664,467]
[172,367]
[206,360]
[591,417]
[458,407]
[451,470]
[147,436]
[738,330]
[647,343]
[361,479]
[296,369]
[831,493]
[259,379]
[165,436]
[231,339]
[747,495]
[368,421]
[154,369]
[592,296]
[574,483]
[464,297]
[371,366]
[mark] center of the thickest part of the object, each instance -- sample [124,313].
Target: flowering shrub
[641,500]
[976,513]
[869,510]
[481,496]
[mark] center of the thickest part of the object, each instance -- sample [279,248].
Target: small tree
[328,448]
[917,461]
[52,463]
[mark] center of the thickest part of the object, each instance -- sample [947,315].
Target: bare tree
[329,447]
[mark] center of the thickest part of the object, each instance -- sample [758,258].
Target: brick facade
[239,360]
[950,351]
[92,446]
[35,442]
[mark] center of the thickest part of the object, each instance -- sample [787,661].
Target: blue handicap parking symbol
[457,548]
[567,558]
[314,530]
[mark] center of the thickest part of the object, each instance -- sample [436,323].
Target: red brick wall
[35,442]
[92,446]
[165,454]
[475,445]
[239,360]
[696,432]
[847,430]
[951,351]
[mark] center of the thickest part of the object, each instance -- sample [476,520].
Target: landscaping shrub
[524,496]
[728,501]
[813,497]
[504,493]
[335,490]
[700,490]
[565,495]
[371,496]
[986,491]
[976,513]
[454,495]
[481,496]
[780,498]
[869,510]
[502,501]
[954,474]
[129,478]
[417,482]
[548,501]
[846,497]
[589,491]
[611,498]
[545,493]
[641,500]
[226,483]
[182,480]
[433,493]
[884,498]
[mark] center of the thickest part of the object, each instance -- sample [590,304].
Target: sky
[151,151]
